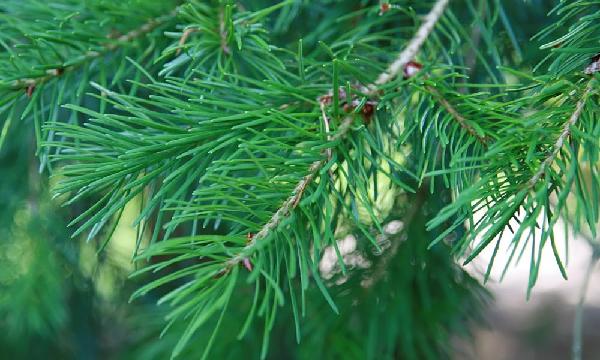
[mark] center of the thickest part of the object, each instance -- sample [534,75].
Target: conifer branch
[414,45]
[566,131]
[396,67]
[462,121]
[294,199]
[29,83]
[408,54]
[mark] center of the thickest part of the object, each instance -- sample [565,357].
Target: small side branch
[31,83]
[186,34]
[566,131]
[462,121]
[413,46]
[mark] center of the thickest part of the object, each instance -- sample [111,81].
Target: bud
[384,7]
[411,68]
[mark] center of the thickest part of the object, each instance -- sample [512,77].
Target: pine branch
[462,121]
[566,131]
[30,83]
[414,45]
[408,54]
[398,65]
[234,140]
[512,197]
[293,201]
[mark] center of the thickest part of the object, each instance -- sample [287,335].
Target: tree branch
[111,46]
[393,70]
[462,121]
[294,199]
[408,54]
[566,131]
[413,47]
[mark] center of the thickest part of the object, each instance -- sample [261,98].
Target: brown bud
[367,112]
[30,89]
[325,99]
[384,7]
[411,69]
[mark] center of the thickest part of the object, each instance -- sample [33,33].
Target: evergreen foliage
[256,137]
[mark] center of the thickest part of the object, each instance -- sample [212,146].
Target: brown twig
[31,83]
[186,34]
[411,69]
[407,56]
[566,131]
[462,121]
